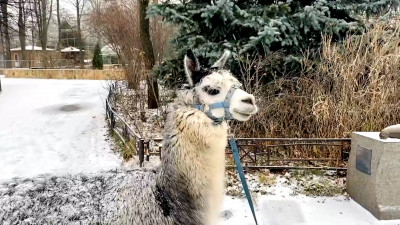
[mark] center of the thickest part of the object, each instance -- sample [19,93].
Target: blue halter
[225,105]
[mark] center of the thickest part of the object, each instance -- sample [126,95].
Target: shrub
[97,61]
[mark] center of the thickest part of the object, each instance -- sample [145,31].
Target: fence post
[112,120]
[107,110]
[147,151]
[141,152]
[126,133]
[342,150]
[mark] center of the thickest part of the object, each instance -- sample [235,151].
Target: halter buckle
[224,105]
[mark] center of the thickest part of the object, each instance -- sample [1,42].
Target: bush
[97,61]
[354,86]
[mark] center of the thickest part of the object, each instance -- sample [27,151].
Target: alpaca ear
[191,66]
[220,63]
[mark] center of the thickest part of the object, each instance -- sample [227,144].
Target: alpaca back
[114,197]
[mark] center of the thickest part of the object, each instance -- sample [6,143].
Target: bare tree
[5,31]
[110,21]
[33,25]
[41,9]
[79,6]
[95,6]
[22,17]
[58,25]
[153,95]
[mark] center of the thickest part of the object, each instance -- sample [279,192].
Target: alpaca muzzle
[225,105]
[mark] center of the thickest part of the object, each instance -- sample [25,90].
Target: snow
[71,49]
[283,206]
[30,47]
[53,126]
[300,210]
[375,135]
[58,127]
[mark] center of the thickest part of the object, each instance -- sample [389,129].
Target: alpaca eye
[210,91]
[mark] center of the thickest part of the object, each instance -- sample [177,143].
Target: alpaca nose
[248,100]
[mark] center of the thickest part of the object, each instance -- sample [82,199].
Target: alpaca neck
[193,163]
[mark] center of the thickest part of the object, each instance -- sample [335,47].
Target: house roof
[30,48]
[107,50]
[70,49]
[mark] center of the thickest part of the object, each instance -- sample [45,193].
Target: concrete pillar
[373,175]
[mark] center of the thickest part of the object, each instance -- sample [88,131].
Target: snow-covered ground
[299,210]
[53,126]
[282,206]
[58,127]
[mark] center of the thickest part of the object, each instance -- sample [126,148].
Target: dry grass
[354,87]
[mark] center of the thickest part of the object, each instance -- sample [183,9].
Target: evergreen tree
[259,27]
[97,61]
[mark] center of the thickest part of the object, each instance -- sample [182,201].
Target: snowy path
[300,210]
[284,208]
[53,126]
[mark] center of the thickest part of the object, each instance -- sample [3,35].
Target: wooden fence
[84,74]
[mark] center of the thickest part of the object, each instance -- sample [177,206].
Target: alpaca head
[215,85]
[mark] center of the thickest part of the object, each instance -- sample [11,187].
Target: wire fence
[255,153]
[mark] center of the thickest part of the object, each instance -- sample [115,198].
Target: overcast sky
[65,4]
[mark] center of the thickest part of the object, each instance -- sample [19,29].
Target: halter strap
[225,105]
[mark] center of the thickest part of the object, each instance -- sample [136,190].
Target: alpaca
[188,186]
[194,156]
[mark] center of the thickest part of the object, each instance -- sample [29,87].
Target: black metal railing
[121,128]
[255,153]
[294,153]
[280,153]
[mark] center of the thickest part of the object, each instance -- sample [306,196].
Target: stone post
[373,177]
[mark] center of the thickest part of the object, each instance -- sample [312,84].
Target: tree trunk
[40,9]
[6,33]
[152,90]
[43,33]
[22,32]
[2,43]
[32,13]
[59,26]
[78,20]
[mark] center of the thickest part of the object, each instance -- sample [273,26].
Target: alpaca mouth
[242,113]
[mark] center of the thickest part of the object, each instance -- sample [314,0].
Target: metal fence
[121,128]
[255,153]
[280,153]
[294,153]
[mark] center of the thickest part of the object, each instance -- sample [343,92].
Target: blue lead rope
[239,168]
